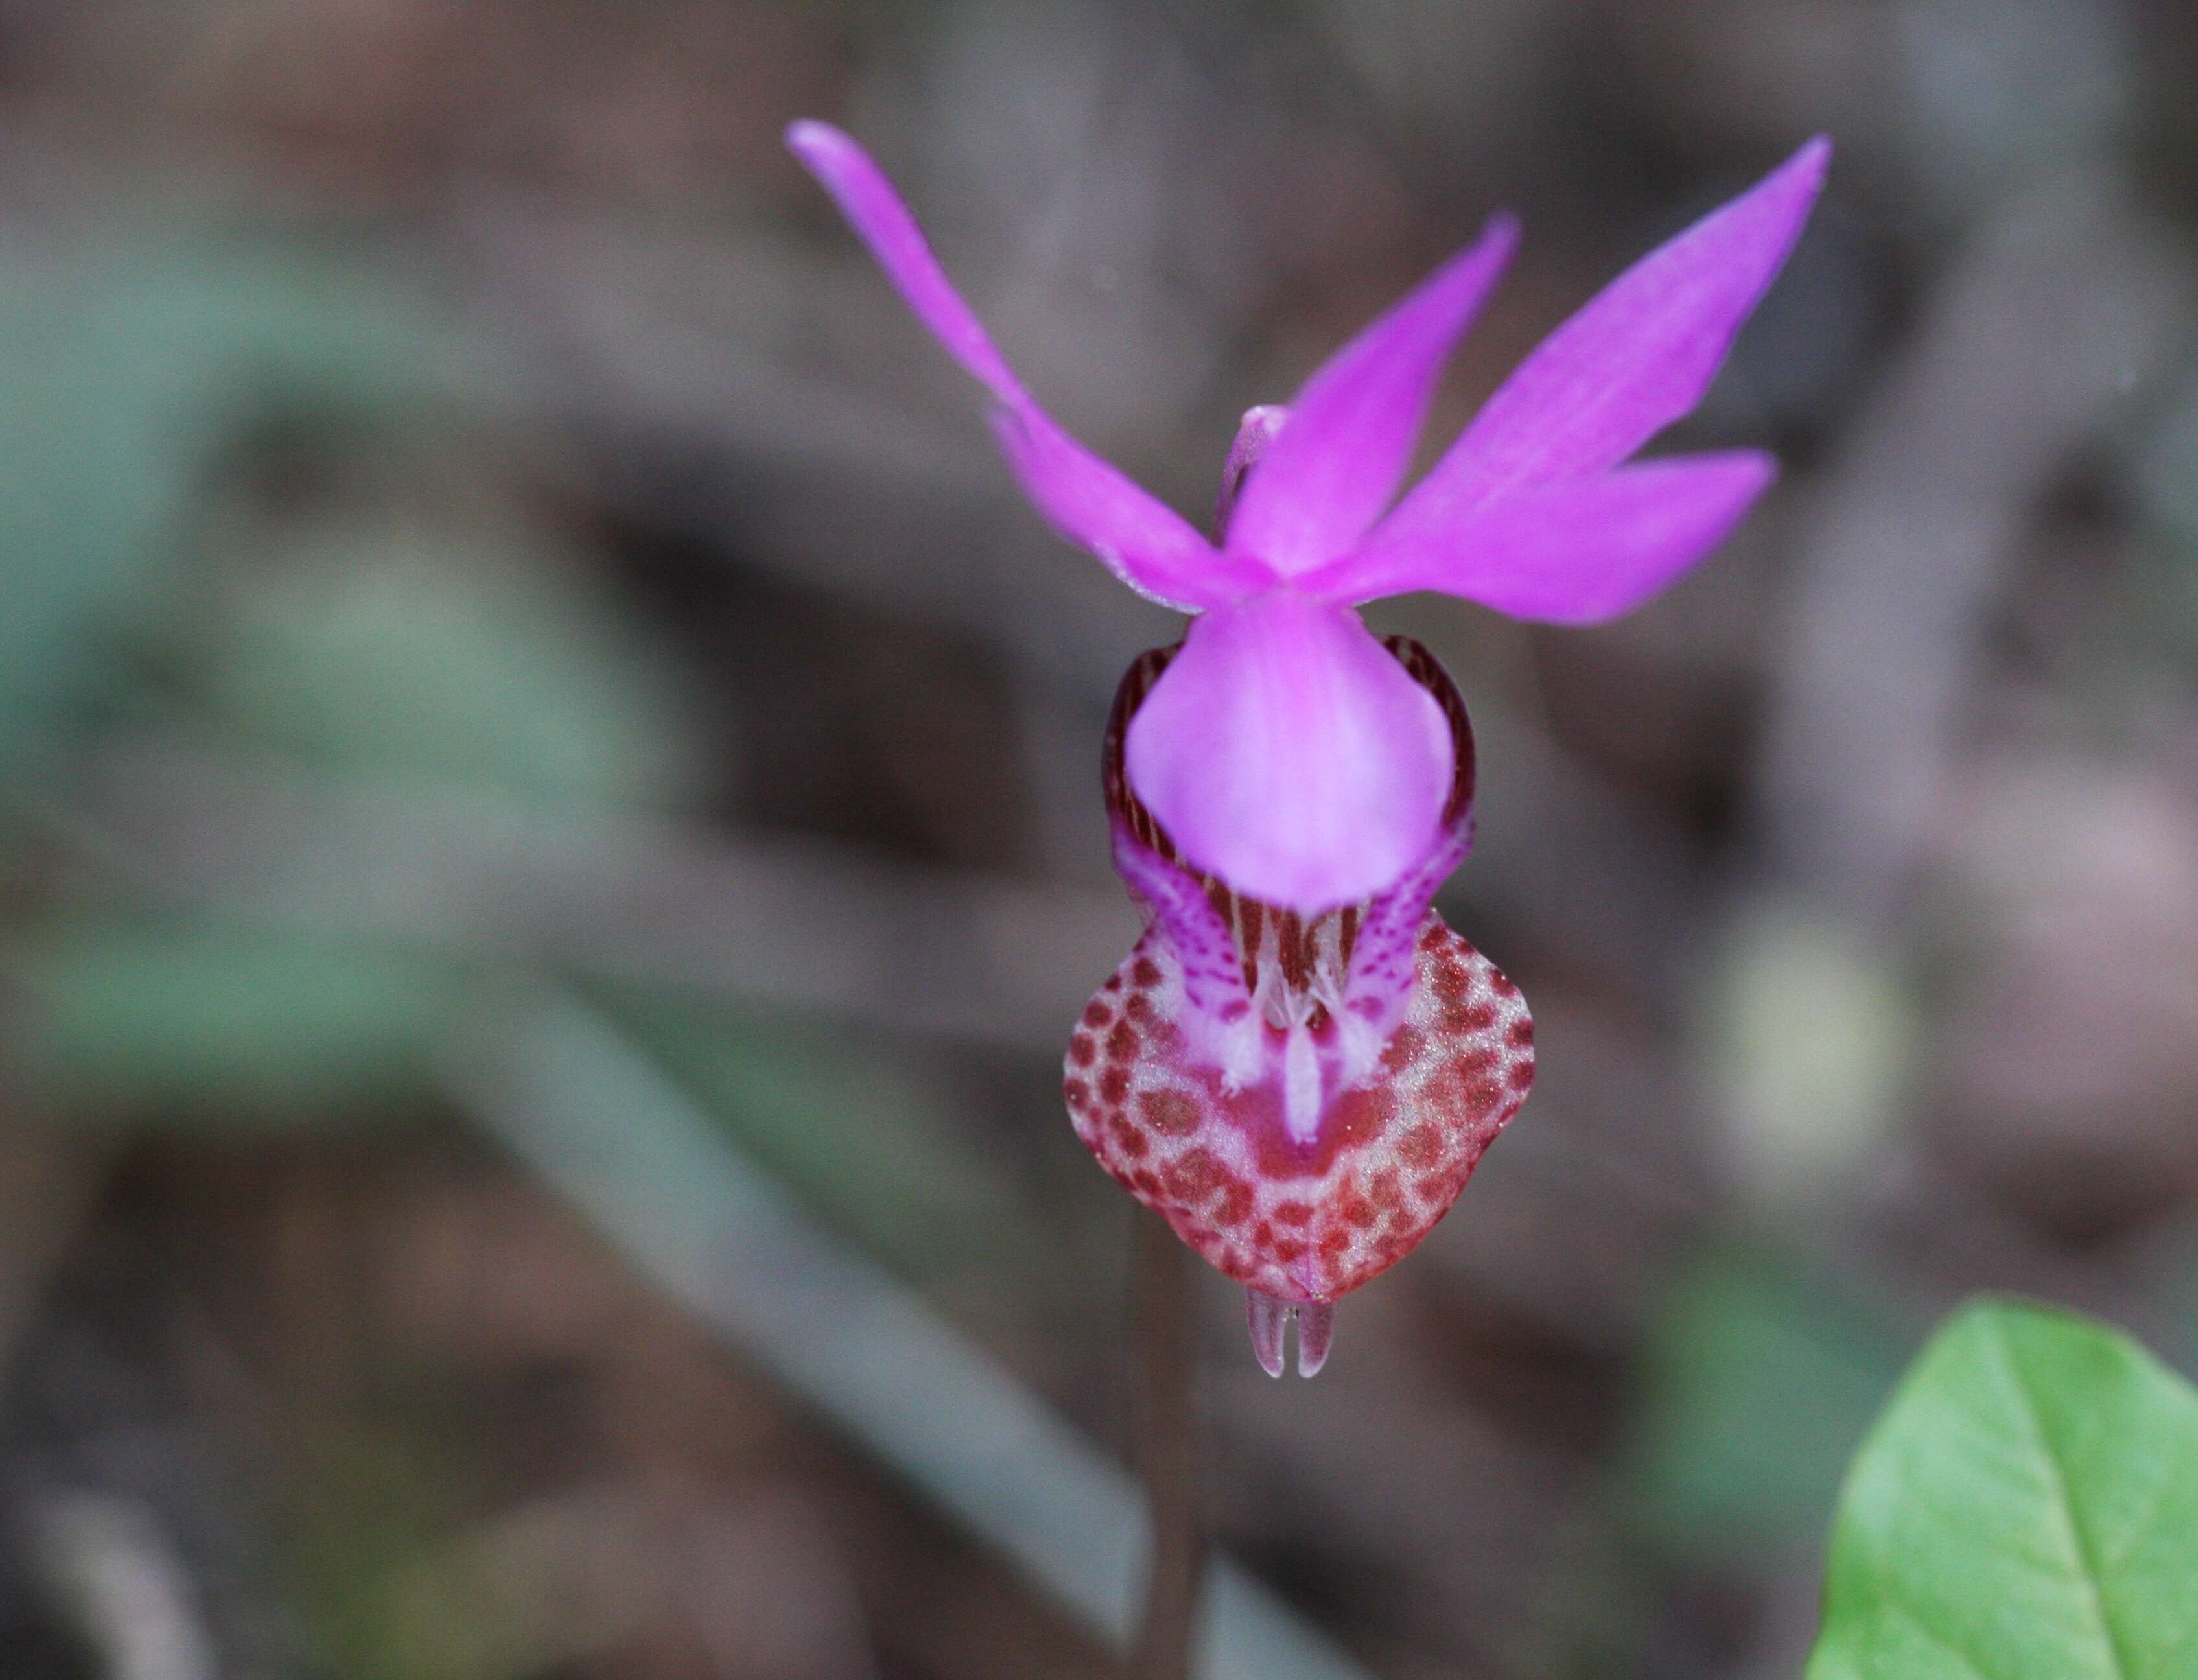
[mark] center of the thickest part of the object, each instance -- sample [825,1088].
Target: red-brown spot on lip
[1382,1189]
[1502,985]
[1097,1014]
[1521,1034]
[1235,1203]
[1147,1181]
[1469,1017]
[1421,1147]
[1334,1243]
[1115,1083]
[1122,1042]
[1288,1250]
[1404,1044]
[1195,1175]
[1356,1211]
[1133,1143]
[1145,972]
[1482,1097]
[1433,936]
[1172,1112]
[1522,1074]
[1076,1092]
[1475,1062]
[1139,1009]
[1361,1116]
[1081,1049]
[1293,1214]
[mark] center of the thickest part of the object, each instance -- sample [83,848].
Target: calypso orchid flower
[1300,1064]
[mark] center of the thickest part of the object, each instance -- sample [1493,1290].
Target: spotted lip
[1176,1076]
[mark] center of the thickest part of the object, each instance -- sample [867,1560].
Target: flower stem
[1163,1300]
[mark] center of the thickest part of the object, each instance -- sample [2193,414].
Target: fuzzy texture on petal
[1351,430]
[1091,502]
[1255,433]
[1577,552]
[1635,358]
[1285,751]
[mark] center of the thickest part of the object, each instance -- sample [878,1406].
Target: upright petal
[1635,358]
[1287,752]
[1092,503]
[1351,430]
[1255,433]
[1577,553]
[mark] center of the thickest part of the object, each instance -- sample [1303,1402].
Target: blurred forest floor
[550,823]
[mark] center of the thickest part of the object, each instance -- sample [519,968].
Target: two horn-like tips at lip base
[1269,1318]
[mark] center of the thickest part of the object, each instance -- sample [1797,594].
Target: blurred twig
[802,921]
[48,1176]
[1164,1315]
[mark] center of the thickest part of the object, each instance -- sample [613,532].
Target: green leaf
[2025,1509]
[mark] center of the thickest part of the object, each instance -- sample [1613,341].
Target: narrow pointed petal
[1635,358]
[1578,553]
[1285,751]
[1315,1335]
[1267,1319]
[1335,465]
[1092,503]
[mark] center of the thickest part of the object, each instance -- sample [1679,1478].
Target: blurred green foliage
[133,369]
[153,1018]
[1761,1375]
[811,1106]
[384,647]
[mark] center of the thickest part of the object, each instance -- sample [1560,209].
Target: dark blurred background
[550,832]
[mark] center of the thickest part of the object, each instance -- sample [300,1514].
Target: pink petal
[1351,430]
[1143,541]
[1635,358]
[1285,752]
[1575,553]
